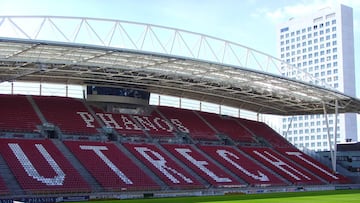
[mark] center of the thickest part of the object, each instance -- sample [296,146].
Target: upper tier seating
[312,165]
[39,167]
[163,166]
[135,125]
[66,113]
[110,166]
[229,127]
[204,167]
[262,130]
[189,122]
[17,114]
[242,166]
[286,168]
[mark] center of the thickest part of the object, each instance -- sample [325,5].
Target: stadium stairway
[9,179]
[95,186]
[36,109]
[191,172]
[139,164]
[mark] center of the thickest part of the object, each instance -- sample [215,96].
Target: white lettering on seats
[279,164]
[98,151]
[201,165]
[160,164]
[31,170]
[168,127]
[299,155]
[179,125]
[226,155]
[145,122]
[109,121]
[127,123]
[88,118]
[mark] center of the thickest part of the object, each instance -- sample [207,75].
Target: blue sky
[248,22]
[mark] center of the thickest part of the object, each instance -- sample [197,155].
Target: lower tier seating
[163,166]
[3,189]
[39,167]
[204,167]
[239,164]
[287,169]
[110,166]
[312,165]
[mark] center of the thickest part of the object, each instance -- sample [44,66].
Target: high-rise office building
[321,44]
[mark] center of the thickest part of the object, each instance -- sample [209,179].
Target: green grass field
[338,196]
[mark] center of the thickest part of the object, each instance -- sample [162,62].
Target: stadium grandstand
[109,141]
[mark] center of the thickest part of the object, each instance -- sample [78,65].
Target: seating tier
[39,167]
[187,121]
[242,166]
[284,167]
[228,126]
[203,166]
[110,166]
[163,166]
[66,113]
[17,114]
[312,165]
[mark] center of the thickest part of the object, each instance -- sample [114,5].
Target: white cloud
[302,8]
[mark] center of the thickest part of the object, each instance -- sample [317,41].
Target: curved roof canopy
[211,79]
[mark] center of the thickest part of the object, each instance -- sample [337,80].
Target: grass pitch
[338,196]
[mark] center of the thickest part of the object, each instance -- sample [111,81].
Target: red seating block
[17,114]
[204,167]
[66,114]
[163,166]
[189,122]
[287,169]
[3,189]
[242,166]
[312,165]
[110,166]
[262,130]
[39,167]
[229,127]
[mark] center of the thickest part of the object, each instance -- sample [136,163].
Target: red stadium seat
[228,126]
[110,167]
[163,166]
[39,167]
[187,121]
[17,114]
[3,189]
[204,167]
[68,114]
[312,165]
[287,169]
[262,130]
[239,164]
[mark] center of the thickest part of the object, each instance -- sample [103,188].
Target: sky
[252,23]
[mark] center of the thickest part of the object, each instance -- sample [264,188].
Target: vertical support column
[329,138]
[287,131]
[335,134]
[257,117]
[40,88]
[12,87]
[66,90]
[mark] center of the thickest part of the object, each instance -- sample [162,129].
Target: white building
[321,44]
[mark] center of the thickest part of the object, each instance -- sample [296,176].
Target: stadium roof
[237,85]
